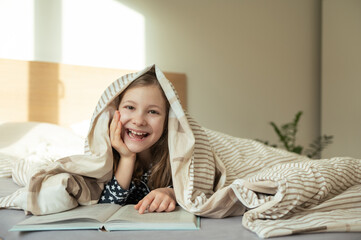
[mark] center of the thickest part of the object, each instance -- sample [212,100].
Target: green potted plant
[287,136]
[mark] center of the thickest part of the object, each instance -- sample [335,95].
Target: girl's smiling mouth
[136,135]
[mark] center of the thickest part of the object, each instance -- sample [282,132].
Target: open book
[110,217]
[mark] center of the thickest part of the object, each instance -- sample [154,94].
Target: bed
[227,228]
[43,116]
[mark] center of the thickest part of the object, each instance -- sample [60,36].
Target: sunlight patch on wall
[102,33]
[17,29]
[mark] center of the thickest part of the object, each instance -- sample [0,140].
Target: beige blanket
[214,175]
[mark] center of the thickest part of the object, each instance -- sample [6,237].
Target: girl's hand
[158,200]
[125,167]
[115,130]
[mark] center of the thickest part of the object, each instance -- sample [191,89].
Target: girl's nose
[139,120]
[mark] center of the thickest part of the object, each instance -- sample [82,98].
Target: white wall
[102,33]
[248,62]
[16,29]
[341,76]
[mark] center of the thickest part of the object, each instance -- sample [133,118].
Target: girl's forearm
[124,171]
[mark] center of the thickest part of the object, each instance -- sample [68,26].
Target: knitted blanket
[214,175]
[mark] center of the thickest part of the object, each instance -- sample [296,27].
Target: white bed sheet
[228,228]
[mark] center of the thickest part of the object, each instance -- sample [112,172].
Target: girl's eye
[153,112]
[129,107]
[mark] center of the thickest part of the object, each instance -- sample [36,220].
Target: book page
[97,212]
[129,214]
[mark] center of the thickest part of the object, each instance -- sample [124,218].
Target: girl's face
[142,114]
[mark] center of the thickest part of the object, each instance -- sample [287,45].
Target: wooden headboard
[58,93]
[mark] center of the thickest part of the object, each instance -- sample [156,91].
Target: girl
[138,135]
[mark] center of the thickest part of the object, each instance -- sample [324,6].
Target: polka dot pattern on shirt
[114,193]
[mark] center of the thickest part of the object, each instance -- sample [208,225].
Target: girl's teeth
[136,133]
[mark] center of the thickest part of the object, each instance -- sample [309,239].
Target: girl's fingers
[115,130]
[113,125]
[114,121]
[145,202]
[118,131]
[156,201]
[171,207]
[163,206]
[138,204]
[155,204]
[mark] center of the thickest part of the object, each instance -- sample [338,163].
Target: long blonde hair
[160,171]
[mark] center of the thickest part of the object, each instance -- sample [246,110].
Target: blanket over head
[214,175]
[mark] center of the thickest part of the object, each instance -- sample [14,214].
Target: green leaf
[318,145]
[287,136]
[298,149]
[281,136]
[297,118]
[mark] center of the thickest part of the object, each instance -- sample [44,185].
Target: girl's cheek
[123,116]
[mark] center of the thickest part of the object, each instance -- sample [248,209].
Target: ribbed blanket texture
[214,175]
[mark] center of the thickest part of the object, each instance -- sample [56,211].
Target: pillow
[81,128]
[6,165]
[21,139]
